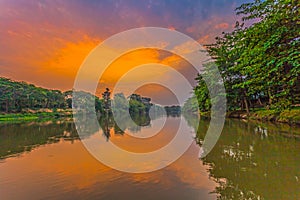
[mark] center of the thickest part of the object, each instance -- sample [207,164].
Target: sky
[45,42]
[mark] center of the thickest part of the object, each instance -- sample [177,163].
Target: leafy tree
[259,64]
[139,104]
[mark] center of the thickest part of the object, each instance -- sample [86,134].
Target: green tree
[259,64]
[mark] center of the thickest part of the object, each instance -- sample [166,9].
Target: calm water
[250,161]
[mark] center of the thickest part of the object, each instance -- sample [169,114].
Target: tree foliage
[260,63]
[21,96]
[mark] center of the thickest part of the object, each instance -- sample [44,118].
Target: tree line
[16,97]
[259,63]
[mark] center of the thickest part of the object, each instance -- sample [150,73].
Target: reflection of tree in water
[173,111]
[133,124]
[19,138]
[106,123]
[86,124]
[252,161]
[139,121]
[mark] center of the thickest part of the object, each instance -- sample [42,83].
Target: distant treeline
[259,64]
[16,97]
[173,110]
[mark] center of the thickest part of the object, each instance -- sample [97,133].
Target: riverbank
[35,115]
[286,116]
[291,117]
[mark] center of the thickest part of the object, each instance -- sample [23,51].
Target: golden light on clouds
[124,64]
[66,61]
[45,42]
[128,61]
[63,63]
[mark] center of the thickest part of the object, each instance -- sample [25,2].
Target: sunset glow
[46,41]
[149,99]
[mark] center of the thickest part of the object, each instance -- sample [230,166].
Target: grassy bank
[38,115]
[286,116]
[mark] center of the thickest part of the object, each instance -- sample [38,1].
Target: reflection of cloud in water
[179,139]
[69,170]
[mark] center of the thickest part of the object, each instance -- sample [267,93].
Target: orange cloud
[136,58]
[65,62]
[45,42]
[128,61]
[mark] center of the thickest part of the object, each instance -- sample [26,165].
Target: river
[251,160]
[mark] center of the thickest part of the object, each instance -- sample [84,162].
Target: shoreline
[291,117]
[34,115]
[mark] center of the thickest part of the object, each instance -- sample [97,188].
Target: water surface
[251,160]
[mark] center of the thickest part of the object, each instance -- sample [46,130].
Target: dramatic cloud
[44,42]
